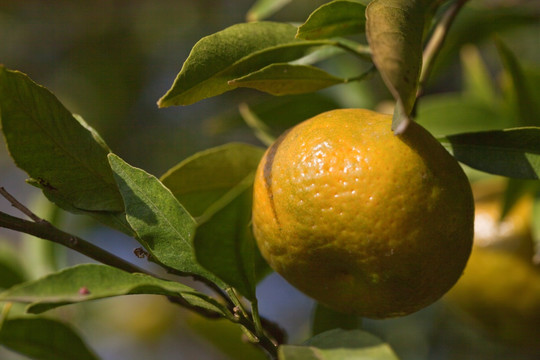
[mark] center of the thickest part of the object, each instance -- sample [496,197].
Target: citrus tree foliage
[195,219]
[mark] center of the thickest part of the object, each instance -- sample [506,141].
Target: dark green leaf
[225,336]
[394,30]
[324,319]
[526,107]
[512,152]
[262,9]
[194,181]
[486,20]
[278,112]
[232,53]
[224,243]
[162,225]
[339,345]
[336,18]
[62,154]
[91,281]
[44,339]
[287,79]
[11,268]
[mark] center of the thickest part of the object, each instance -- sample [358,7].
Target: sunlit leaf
[223,240]
[91,281]
[394,30]
[162,224]
[336,18]
[287,79]
[512,152]
[339,345]
[262,9]
[44,339]
[194,182]
[232,53]
[61,153]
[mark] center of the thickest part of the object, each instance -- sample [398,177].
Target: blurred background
[111,60]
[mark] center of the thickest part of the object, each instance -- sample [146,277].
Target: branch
[436,42]
[45,230]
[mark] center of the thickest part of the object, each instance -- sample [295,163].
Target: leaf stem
[436,42]
[256,318]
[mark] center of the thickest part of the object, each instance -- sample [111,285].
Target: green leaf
[225,336]
[223,240]
[324,319]
[162,224]
[336,18]
[288,79]
[44,339]
[259,128]
[224,243]
[194,182]
[61,153]
[11,268]
[91,281]
[512,152]
[394,30]
[262,9]
[277,112]
[476,78]
[486,20]
[452,113]
[339,345]
[526,107]
[232,53]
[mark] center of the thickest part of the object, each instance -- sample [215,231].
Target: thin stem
[256,318]
[45,230]
[436,42]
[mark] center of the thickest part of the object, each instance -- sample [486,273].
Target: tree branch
[45,230]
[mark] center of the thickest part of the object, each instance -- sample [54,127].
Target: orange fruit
[499,291]
[513,233]
[362,220]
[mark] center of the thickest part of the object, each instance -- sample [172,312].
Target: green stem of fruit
[252,324]
[436,42]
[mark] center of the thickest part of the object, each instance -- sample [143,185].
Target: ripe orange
[362,220]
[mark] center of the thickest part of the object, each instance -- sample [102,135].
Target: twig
[16,204]
[436,42]
[45,230]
